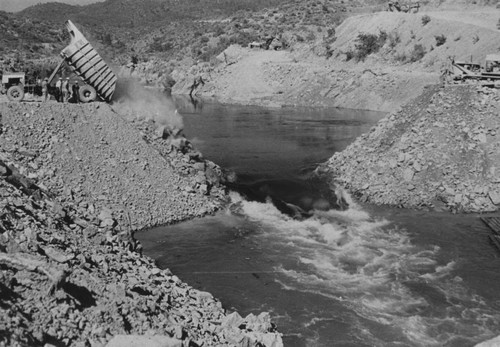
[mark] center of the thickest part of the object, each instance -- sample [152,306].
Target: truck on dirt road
[82,59]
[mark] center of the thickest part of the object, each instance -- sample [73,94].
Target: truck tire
[15,93]
[87,93]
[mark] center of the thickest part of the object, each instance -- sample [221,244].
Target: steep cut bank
[439,151]
[75,182]
[280,78]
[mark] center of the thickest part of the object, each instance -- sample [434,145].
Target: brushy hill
[149,13]
[28,35]
[398,38]
[162,36]
[175,30]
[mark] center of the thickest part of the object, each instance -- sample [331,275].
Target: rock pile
[71,273]
[439,151]
[88,150]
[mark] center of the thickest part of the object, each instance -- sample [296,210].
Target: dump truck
[488,74]
[82,59]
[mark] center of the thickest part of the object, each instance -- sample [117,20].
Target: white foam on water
[367,264]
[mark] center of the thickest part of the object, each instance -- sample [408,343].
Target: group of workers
[64,92]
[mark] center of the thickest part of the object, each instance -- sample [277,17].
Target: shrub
[367,44]
[401,57]
[329,51]
[475,39]
[425,19]
[417,53]
[349,55]
[394,39]
[440,40]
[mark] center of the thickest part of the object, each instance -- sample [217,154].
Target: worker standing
[76,92]
[59,90]
[65,90]
[45,90]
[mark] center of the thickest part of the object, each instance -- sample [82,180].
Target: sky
[18,5]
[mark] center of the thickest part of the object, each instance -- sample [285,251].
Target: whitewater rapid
[372,268]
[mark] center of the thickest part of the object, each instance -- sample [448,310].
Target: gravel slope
[439,151]
[75,182]
[90,149]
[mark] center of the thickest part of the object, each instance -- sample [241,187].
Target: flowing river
[364,276]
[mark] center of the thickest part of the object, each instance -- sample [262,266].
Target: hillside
[387,58]
[175,32]
[16,5]
[29,36]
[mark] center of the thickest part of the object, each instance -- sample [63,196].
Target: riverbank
[439,152]
[76,181]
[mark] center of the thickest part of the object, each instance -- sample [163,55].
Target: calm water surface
[366,276]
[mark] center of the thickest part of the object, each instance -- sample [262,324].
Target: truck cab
[492,64]
[13,85]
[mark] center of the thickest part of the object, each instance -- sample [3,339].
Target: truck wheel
[15,93]
[87,94]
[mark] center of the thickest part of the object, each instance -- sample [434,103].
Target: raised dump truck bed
[88,64]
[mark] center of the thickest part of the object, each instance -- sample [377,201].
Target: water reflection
[261,141]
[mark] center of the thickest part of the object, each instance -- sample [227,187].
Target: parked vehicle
[490,72]
[14,84]
[82,59]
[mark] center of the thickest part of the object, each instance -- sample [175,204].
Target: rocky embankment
[440,151]
[75,182]
[137,168]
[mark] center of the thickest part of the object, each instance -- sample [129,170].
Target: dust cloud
[133,100]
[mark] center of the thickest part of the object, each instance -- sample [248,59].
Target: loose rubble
[75,182]
[439,151]
[139,170]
